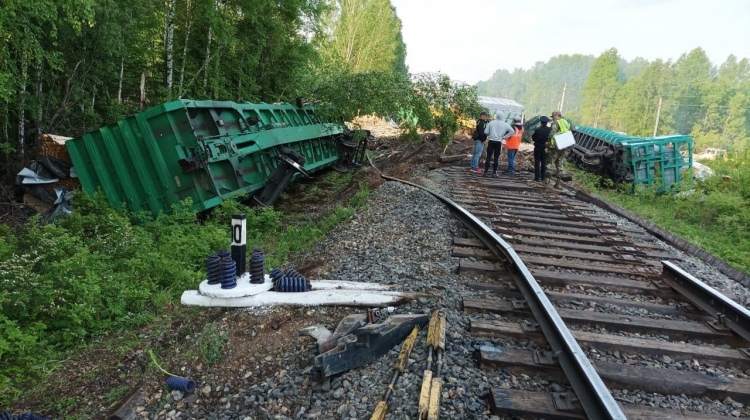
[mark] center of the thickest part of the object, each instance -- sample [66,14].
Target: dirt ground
[92,382]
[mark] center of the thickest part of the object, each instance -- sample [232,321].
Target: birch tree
[599,91]
[363,35]
[170,43]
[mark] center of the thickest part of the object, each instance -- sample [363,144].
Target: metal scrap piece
[365,343]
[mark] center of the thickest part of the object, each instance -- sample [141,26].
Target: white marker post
[239,241]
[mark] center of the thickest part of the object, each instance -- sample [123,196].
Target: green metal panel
[651,159]
[206,151]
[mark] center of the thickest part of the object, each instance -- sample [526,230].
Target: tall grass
[713,215]
[101,270]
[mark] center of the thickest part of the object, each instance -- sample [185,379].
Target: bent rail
[593,395]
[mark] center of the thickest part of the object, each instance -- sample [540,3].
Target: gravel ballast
[404,236]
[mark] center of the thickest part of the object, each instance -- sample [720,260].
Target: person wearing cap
[497,131]
[512,145]
[479,137]
[559,125]
[540,137]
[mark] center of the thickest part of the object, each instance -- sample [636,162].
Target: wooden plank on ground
[481,267]
[550,209]
[529,404]
[544,203]
[535,242]
[537,213]
[592,301]
[641,248]
[598,240]
[626,286]
[565,221]
[525,249]
[546,227]
[558,278]
[623,344]
[623,376]
[636,270]
[675,330]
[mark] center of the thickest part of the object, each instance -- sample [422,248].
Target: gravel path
[404,237]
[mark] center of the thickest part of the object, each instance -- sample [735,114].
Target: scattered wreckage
[207,151]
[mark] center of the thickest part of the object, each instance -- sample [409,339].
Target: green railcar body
[662,160]
[206,151]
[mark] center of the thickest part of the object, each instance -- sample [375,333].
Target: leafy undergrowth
[713,214]
[84,298]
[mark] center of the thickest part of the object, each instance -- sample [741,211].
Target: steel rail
[594,396]
[728,312]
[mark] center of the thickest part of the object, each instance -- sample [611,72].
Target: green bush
[714,215]
[104,270]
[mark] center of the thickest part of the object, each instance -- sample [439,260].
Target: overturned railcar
[209,151]
[662,160]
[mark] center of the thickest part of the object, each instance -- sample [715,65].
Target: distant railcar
[641,160]
[662,160]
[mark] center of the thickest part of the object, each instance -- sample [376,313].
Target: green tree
[448,101]
[692,74]
[629,69]
[724,104]
[362,36]
[598,93]
[540,89]
[636,103]
[29,32]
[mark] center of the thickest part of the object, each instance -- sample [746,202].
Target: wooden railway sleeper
[403,361]
[629,250]
[629,258]
[429,395]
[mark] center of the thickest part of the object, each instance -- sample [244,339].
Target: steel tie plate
[564,401]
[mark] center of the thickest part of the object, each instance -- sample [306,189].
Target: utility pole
[658,113]
[562,101]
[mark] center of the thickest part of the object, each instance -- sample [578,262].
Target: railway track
[616,327]
[634,348]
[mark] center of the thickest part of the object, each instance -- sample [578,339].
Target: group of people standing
[497,131]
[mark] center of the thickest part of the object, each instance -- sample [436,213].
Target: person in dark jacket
[479,138]
[541,148]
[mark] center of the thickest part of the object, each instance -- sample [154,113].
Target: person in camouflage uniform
[559,125]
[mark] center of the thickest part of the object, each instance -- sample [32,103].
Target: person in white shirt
[497,131]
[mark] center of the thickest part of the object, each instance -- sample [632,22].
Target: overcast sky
[469,39]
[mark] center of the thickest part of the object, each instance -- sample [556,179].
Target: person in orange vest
[512,145]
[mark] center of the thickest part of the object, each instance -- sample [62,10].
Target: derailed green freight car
[662,160]
[207,151]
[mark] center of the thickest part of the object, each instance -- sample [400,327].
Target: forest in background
[71,66]
[690,95]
